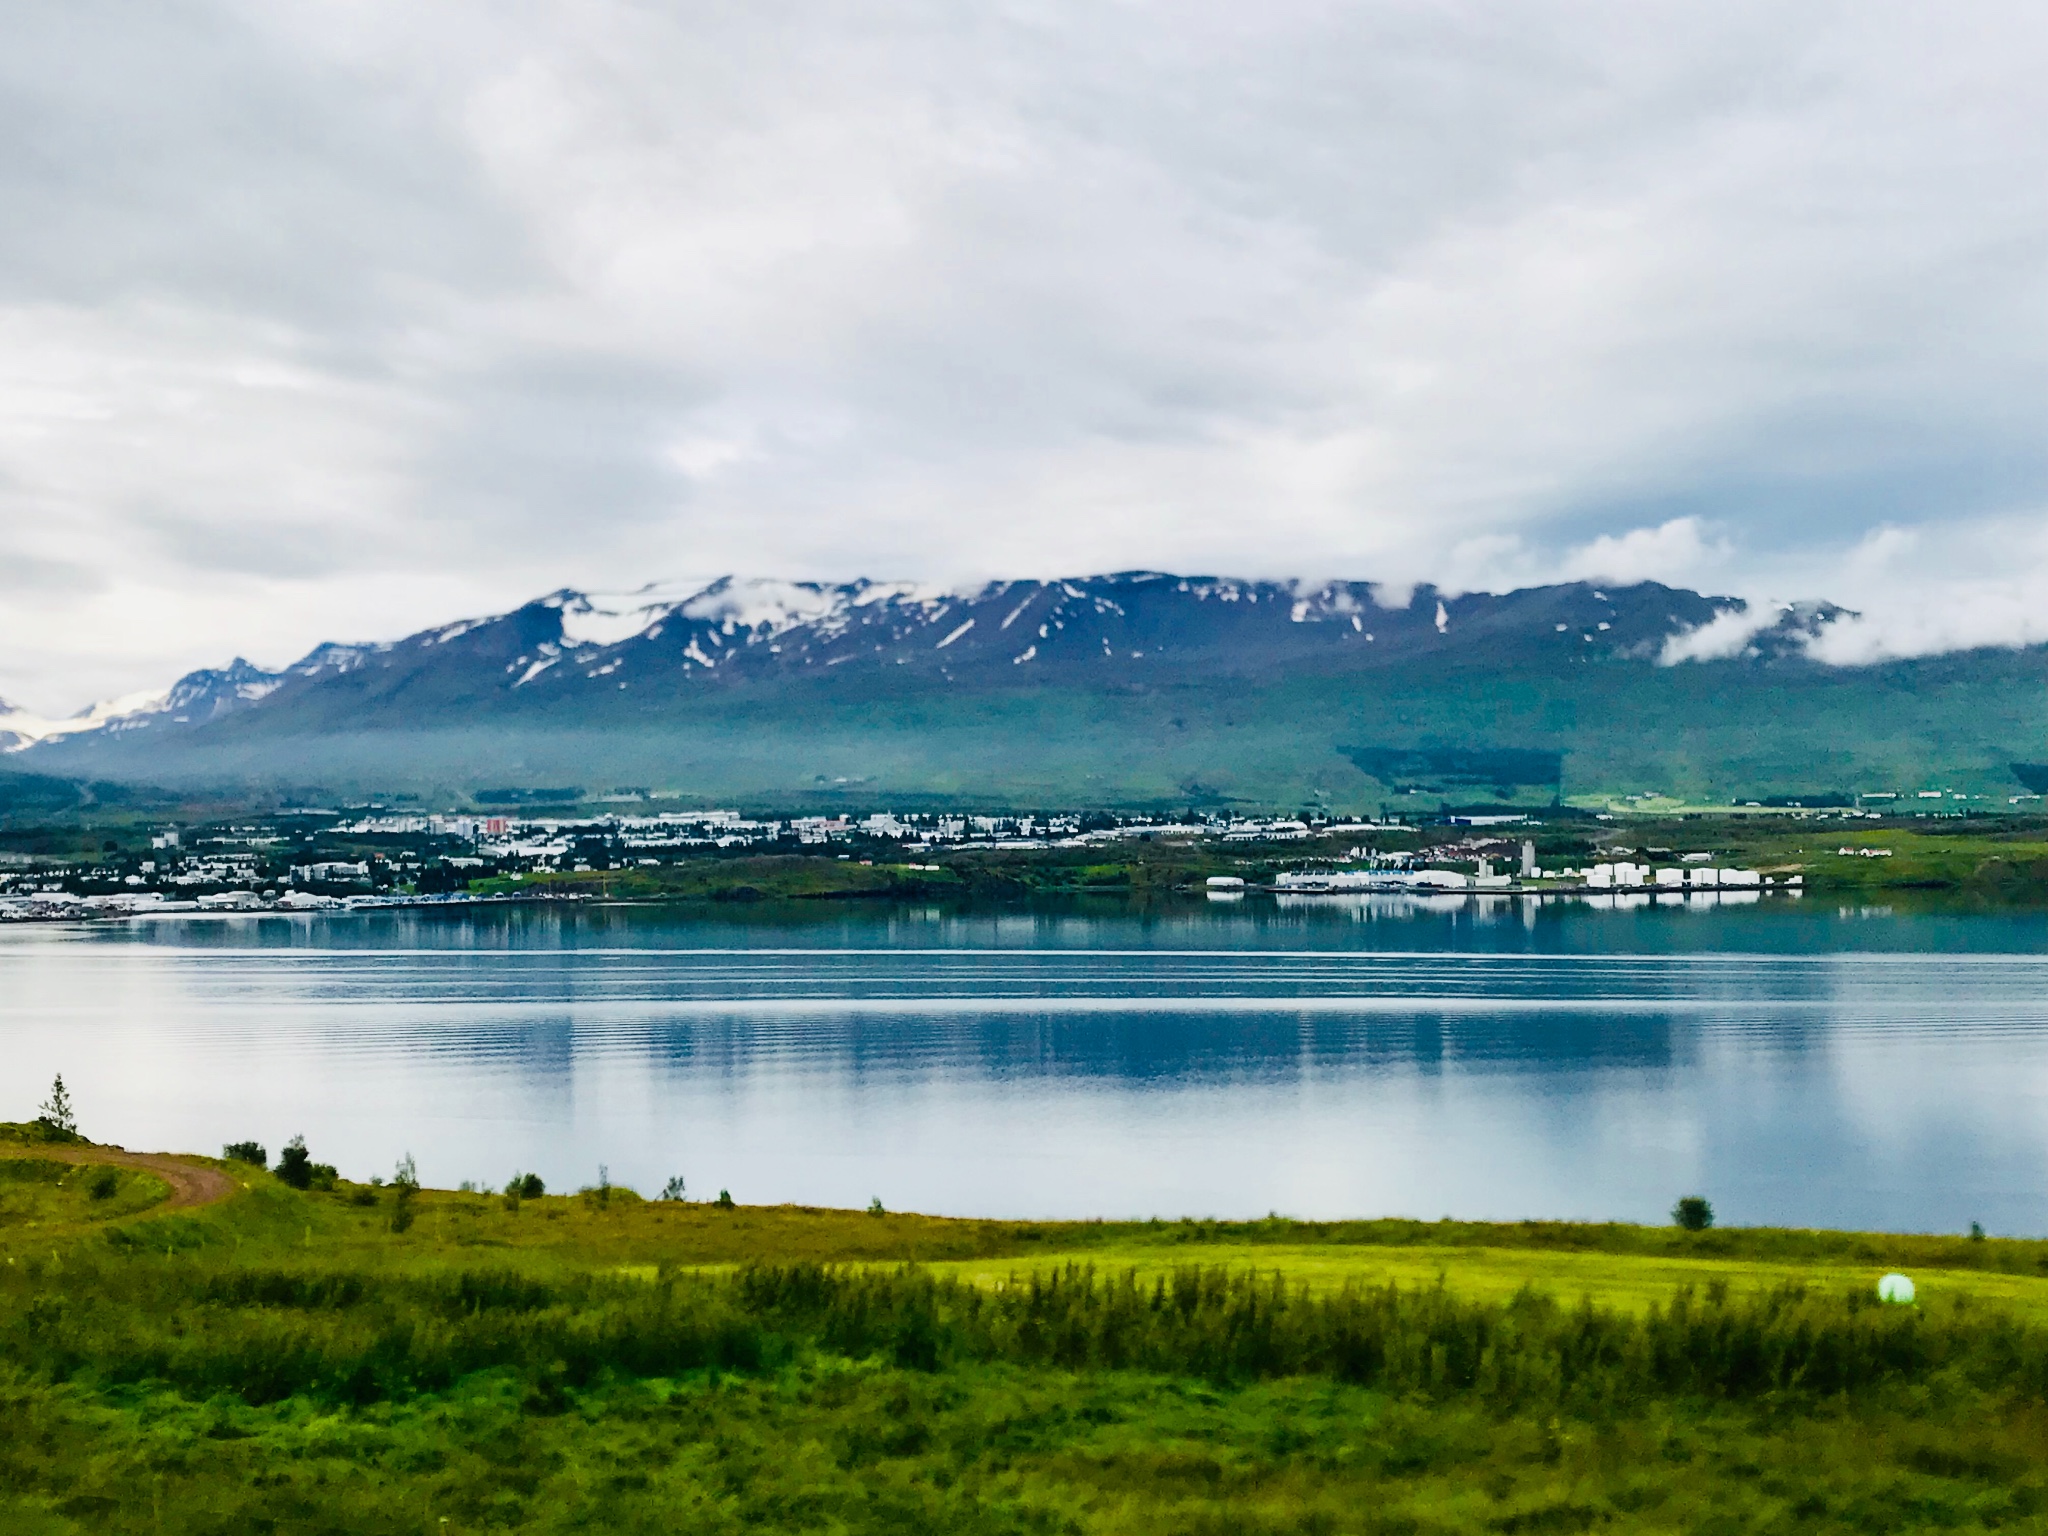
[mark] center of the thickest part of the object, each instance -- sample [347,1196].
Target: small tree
[55,1115]
[246,1152]
[295,1164]
[1694,1213]
[673,1189]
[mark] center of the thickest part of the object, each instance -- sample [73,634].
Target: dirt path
[191,1183]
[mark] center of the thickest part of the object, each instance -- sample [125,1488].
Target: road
[192,1184]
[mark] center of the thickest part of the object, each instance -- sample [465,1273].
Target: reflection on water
[1319,1055]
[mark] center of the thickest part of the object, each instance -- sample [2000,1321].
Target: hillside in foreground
[359,1358]
[1132,690]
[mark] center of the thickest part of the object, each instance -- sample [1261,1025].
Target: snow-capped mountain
[193,699]
[20,728]
[583,650]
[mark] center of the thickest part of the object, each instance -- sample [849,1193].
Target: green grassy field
[361,1360]
[1628,1283]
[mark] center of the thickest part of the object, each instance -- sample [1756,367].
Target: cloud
[1670,552]
[1727,633]
[336,319]
[1925,590]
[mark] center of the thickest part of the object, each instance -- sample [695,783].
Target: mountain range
[1137,688]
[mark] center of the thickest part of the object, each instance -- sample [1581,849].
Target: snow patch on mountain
[601,622]
[335,659]
[762,604]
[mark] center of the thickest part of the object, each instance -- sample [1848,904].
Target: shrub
[725,1199]
[875,1207]
[246,1152]
[1694,1213]
[295,1164]
[103,1185]
[405,1185]
[673,1189]
[322,1176]
[531,1187]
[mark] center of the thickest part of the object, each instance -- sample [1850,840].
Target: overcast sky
[330,321]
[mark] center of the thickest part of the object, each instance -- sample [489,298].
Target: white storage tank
[1441,880]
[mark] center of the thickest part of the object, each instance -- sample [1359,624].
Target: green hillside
[1346,741]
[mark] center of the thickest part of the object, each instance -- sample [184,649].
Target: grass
[288,1361]
[1626,1283]
[40,1197]
[1985,854]
[1136,870]
[758,878]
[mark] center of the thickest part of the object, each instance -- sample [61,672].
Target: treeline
[206,1327]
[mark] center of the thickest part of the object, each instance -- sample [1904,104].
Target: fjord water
[1797,1062]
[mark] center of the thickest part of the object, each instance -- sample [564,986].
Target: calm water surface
[1798,1063]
